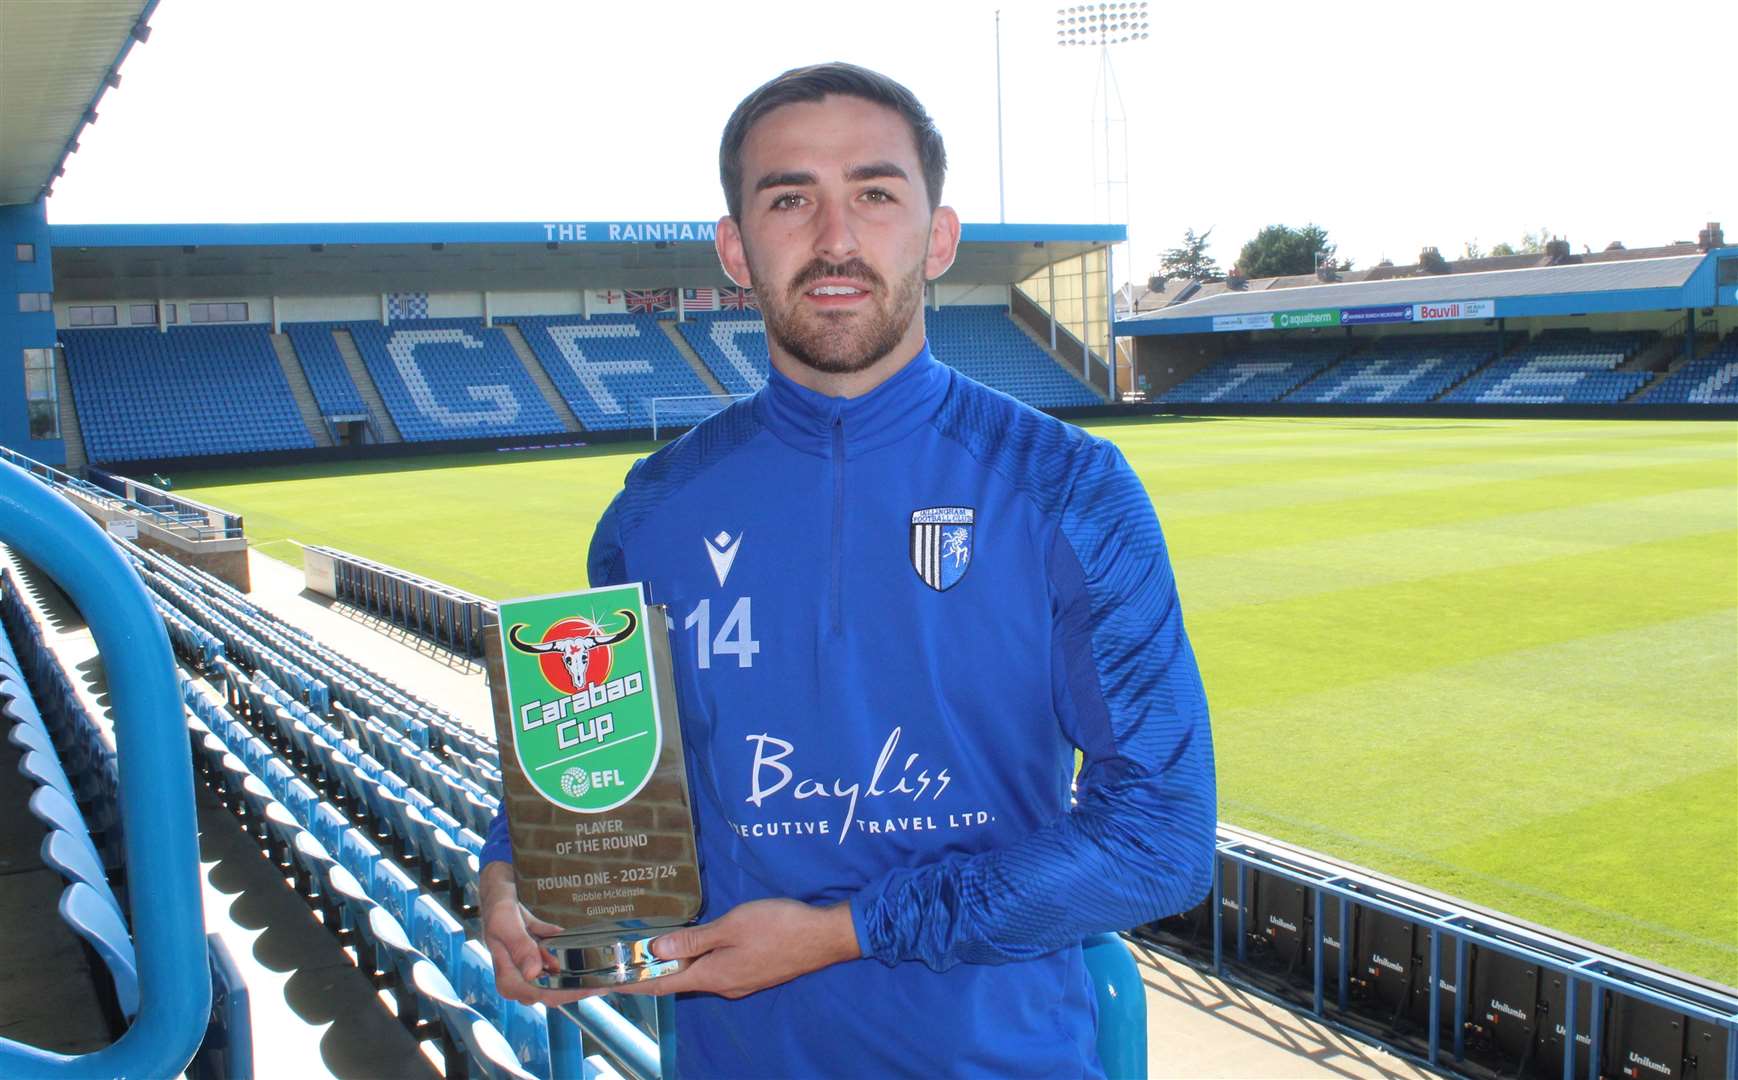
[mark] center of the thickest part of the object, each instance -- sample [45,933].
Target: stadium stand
[194,390]
[333,388]
[1399,370]
[733,345]
[1709,380]
[1560,366]
[981,341]
[71,767]
[451,379]
[1265,372]
[977,340]
[610,367]
[33,724]
[379,832]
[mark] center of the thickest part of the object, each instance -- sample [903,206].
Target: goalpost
[669,412]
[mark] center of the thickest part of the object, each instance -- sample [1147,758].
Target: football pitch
[1495,657]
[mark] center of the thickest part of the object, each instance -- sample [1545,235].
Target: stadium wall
[947,295]
[441,305]
[21,330]
[565,302]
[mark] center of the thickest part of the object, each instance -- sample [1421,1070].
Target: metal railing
[159,833]
[1081,360]
[444,615]
[179,516]
[208,521]
[1462,929]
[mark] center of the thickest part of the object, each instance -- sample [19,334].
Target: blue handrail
[156,772]
[1122,1007]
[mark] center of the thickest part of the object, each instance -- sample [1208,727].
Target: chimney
[1327,271]
[1235,279]
[1156,283]
[1430,261]
[1557,250]
[1711,237]
[1615,245]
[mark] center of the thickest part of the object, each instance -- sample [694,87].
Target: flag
[406,305]
[648,301]
[606,302]
[699,299]
[734,299]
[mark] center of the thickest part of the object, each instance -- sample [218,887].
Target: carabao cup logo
[585,722]
[574,653]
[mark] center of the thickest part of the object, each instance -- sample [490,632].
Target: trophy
[593,779]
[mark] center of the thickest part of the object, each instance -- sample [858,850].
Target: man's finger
[522,952]
[686,943]
[509,980]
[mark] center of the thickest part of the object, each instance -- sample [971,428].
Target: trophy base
[601,965]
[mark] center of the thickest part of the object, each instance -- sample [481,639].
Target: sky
[1393,125]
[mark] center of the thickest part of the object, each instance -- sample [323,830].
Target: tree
[1534,243]
[1191,260]
[1502,247]
[1281,250]
[1471,250]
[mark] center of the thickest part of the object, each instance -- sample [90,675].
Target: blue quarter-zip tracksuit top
[894,619]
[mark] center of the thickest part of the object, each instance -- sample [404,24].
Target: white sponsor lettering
[1507,1010]
[769,775]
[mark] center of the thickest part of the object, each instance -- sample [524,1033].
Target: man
[934,595]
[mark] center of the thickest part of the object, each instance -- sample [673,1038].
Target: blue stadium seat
[72,856]
[978,340]
[1266,371]
[609,367]
[96,919]
[466,1031]
[192,391]
[1402,369]
[437,934]
[1708,380]
[1560,367]
[334,390]
[451,379]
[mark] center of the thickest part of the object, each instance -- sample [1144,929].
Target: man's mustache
[819,270]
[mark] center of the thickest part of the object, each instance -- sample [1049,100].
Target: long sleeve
[605,565]
[1138,843]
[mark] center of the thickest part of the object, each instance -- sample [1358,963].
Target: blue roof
[1656,284]
[497,232]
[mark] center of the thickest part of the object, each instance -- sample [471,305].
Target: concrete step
[301,390]
[1646,386]
[533,367]
[1044,343]
[384,429]
[674,333]
[70,433]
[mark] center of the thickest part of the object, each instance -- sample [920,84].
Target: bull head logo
[574,650]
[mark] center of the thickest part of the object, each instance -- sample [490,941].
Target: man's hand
[508,927]
[754,946]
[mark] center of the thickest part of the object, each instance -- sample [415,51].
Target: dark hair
[811,84]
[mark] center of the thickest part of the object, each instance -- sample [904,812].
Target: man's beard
[846,342]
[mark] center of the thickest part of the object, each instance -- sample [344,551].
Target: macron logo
[721,549]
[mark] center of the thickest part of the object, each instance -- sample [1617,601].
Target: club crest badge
[941,545]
